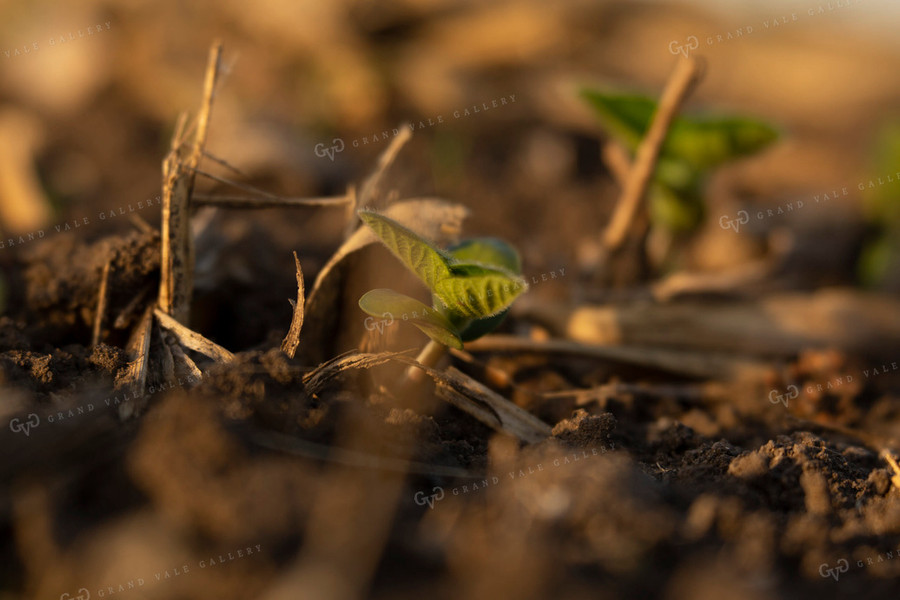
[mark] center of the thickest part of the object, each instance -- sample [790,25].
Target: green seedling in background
[472,284]
[880,256]
[693,147]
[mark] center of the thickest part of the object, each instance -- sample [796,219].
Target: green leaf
[712,141]
[479,327]
[625,116]
[488,251]
[473,283]
[394,306]
[423,259]
[677,210]
[476,291]
[703,142]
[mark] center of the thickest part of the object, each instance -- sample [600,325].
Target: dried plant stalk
[292,340]
[680,84]
[177,256]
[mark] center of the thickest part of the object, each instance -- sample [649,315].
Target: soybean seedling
[693,148]
[472,285]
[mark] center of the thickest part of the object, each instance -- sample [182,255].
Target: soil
[632,496]
[248,483]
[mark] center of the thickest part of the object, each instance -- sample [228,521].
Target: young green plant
[472,285]
[693,148]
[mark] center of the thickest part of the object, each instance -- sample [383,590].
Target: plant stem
[428,357]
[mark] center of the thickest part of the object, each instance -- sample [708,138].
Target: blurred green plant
[694,147]
[472,283]
[880,256]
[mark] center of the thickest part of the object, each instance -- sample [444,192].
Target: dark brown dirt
[246,481]
[626,497]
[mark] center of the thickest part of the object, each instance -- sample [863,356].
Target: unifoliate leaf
[707,142]
[396,307]
[490,252]
[703,142]
[625,116]
[423,259]
[476,291]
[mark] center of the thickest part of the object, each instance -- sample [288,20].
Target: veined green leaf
[423,259]
[396,307]
[488,251]
[476,291]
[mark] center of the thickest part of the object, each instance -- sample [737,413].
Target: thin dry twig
[268,202]
[292,340]
[452,385]
[494,376]
[486,405]
[177,260]
[895,479]
[710,365]
[224,163]
[141,225]
[173,221]
[318,378]
[182,365]
[682,80]
[124,316]
[617,161]
[102,296]
[691,392]
[461,390]
[135,377]
[191,339]
[236,184]
[371,186]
